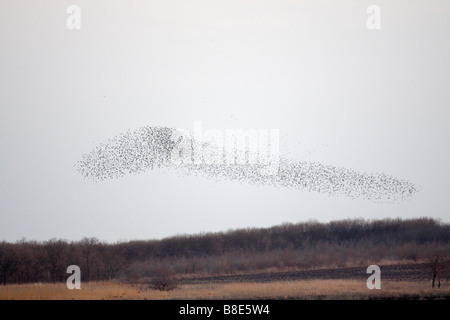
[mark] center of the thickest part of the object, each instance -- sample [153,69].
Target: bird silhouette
[153,147]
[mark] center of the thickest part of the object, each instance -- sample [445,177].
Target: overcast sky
[340,94]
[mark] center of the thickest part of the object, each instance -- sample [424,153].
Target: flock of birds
[153,147]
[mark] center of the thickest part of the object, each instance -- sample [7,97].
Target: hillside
[300,246]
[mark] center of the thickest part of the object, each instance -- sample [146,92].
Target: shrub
[164,279]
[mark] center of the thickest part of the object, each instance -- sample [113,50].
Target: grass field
[301,289]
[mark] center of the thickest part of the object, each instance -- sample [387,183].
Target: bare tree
[57,258]
[88,250]
[438,263]
[113,261]
[8,261]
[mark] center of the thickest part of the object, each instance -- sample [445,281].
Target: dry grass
[313,289]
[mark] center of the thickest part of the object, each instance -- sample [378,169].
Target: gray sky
[340,94]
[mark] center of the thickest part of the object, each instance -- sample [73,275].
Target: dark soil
[401,272]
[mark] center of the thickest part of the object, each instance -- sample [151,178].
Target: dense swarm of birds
[155,147]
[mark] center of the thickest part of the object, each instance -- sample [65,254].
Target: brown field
[299,289]
[400,281]
[413,272]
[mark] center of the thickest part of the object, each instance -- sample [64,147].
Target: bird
[150,147]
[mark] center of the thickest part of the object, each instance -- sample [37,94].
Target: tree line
[301,245]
